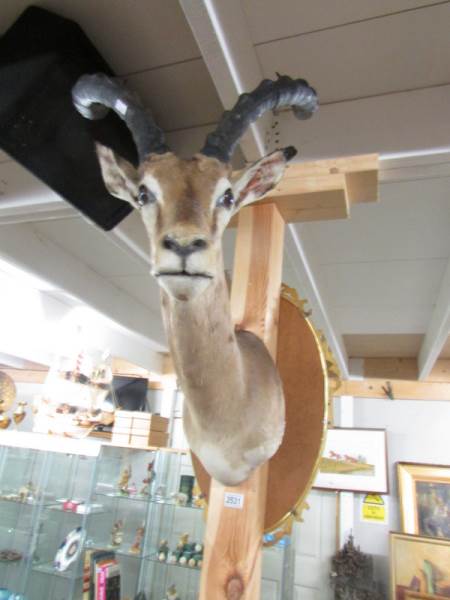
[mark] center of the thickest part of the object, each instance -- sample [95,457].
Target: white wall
[417,431]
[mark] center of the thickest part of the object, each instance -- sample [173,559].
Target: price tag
[234,500]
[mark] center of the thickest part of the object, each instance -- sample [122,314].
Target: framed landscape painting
[420,567]
[354,460]
[425,499]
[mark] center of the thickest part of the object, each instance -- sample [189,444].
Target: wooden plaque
[303,370]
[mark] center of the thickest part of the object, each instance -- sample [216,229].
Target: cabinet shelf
[93,510]
[154,559]
[118,496]
[119,550]
[49,569]
[174,503]
[152,499]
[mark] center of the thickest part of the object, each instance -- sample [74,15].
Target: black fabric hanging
[41,57]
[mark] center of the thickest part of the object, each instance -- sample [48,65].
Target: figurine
[19,414]
[124,480]
[160,491]
[181,499]
[117,533]
[163,550]
[198,497]
[183,541]
[145,490]
[136,545]
[26,492]
[5,421]
[172,593]
[132,490]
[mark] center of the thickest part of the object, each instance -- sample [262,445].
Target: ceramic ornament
[69,550]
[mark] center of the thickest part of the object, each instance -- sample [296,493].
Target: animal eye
[145,196]
[226,199]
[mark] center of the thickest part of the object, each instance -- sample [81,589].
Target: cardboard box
[153,422]
[154,438]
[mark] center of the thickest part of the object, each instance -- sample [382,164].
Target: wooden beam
[438,328]
[404,368]
[220,29]
[26,375]
[401,389]
[324,190]
[232,561]
[390,368]
[123,367]
[255,293]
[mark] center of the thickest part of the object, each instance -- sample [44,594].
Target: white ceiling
[377,275]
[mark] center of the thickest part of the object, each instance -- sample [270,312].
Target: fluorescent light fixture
[413,153]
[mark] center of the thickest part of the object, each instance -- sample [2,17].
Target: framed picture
[354,460]
[424,499]
[420,567]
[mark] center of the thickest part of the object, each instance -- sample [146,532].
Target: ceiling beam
[224,41]
[309,290]
[23,246]
[438,329]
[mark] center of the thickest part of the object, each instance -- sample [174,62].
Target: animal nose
[183,249]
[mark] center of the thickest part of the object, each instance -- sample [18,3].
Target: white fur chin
[183,288]
[219,468]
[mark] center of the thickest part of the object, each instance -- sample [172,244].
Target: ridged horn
[269,95]
[94,95]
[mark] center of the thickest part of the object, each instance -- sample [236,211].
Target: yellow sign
[373,509]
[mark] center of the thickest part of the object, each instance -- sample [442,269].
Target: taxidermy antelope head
[234,405]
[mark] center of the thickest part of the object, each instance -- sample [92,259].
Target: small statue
[27,492]
[163,550]
[160,491]
[19,414]
[172,593]
[136,545]
[198,497]
[124,480]
[145,490]
[181,499]
[117,534]
[352,574]
[183,541]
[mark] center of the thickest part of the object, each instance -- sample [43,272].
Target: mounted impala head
[187,204]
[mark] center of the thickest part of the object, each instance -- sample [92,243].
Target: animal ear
[120,177]
[261,177]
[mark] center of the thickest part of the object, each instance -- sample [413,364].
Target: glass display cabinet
[141,506]
[68,485]
[21,476]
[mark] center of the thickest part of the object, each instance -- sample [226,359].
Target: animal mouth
[182,274]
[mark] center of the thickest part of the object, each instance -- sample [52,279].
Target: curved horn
[268,95]
[94,95]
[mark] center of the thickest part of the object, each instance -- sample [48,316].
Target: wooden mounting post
[232,560]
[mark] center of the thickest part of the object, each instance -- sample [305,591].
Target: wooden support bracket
[325,189]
